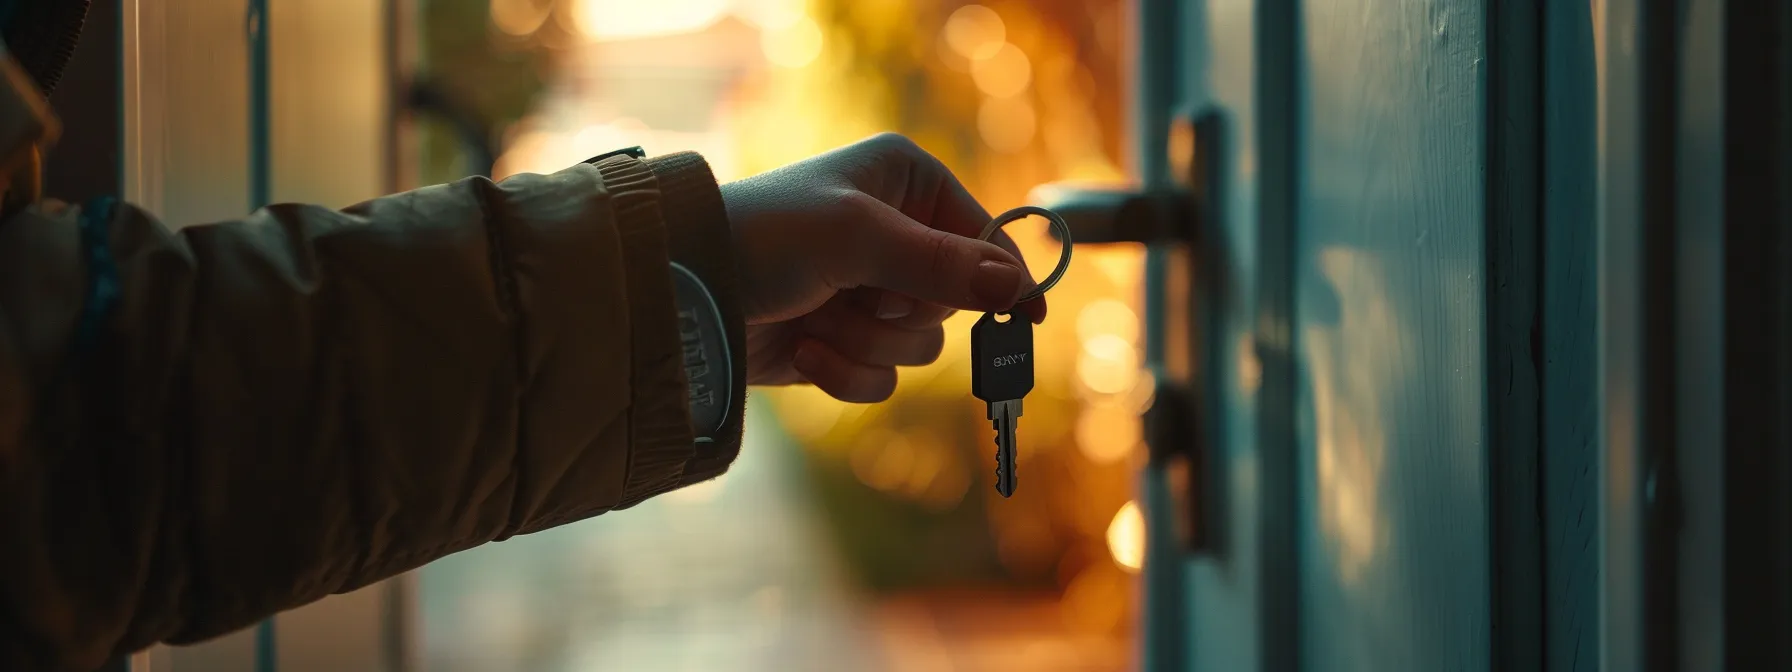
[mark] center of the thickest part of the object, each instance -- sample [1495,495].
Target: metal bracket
[1171,217]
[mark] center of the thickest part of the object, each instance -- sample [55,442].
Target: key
[1002,357]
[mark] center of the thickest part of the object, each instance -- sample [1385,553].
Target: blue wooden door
[1490,358]
[1370,427]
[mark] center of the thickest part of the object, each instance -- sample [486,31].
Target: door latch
[1171,218]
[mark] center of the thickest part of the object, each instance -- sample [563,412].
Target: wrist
[712,326]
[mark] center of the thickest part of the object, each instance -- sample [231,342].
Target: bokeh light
[520,17]
[793,45]
[634,19]
[975,32]
[1007,124]
[1126,537]
[1007,72]
[1108,365]
[1108,433]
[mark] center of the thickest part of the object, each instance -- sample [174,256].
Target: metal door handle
[1174,217]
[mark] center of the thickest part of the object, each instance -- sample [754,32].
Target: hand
[851,260]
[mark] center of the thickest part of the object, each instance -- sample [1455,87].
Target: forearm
[308,401]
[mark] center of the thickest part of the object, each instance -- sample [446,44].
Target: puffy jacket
[201,428]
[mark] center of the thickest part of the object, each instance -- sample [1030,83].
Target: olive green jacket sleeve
[301,403]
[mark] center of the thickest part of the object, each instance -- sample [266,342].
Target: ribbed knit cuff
[699,237]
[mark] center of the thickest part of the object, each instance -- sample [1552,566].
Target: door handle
[1174,217]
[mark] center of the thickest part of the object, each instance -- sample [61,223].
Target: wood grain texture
[1514,322]
[1390,295]
[1570,326]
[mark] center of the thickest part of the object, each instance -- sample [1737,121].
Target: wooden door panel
[1390,303]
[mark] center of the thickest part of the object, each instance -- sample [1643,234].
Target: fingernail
[894,305]
[996,283]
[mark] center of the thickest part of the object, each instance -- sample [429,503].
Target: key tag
[1002,352]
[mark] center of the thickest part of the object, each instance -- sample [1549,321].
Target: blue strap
[102,273]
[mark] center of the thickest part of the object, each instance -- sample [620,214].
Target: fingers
[912,315]
[920,186]
[896,253]
[841,377]
[868,340]
[1035,309]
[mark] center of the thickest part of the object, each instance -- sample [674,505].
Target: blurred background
[847,537]
[1475,395]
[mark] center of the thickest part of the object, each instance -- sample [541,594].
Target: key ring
[1058,225]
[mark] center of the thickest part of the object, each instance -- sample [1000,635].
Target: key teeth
[1004,481]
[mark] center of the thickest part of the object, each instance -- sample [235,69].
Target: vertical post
[260,167]
[1278,85]
[1154,97]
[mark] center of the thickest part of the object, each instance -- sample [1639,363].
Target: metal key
[1002,354]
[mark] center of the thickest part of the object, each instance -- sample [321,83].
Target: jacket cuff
[670,209]
[700,238]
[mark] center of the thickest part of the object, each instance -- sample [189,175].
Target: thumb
[903,255]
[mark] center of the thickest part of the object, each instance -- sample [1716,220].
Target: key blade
[1005,426]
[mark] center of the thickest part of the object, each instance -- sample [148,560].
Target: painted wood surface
[1238,57]
[1390,309]
[1569,299]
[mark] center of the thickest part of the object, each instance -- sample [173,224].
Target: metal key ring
[1058,225]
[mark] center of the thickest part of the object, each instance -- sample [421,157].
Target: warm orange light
[975,32]
[1108,365]
[1107,433]
[887,464]
[1126,537]
[1107,317]
[519,17]
[1007,124]
[1095,601]
[1005,73]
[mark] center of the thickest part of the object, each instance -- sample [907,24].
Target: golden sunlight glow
[1096,600]
[1347,360]
[1108,364]
[519,17]
[794,45]
[1126,537]
[1007,124]
[1005,73]
[812,413]
[1250,369]
[1107,433]
[605,20]
[1107,316]
[975,32]
[885,465]
[769,14]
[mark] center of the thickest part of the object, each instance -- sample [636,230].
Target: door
[1357,246]
[1474,323]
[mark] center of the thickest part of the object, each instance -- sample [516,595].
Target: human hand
[851,260]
